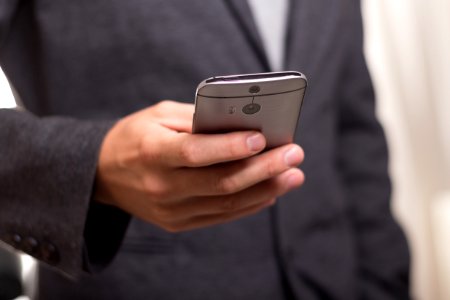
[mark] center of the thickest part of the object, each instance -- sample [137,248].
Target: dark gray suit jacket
[79,65]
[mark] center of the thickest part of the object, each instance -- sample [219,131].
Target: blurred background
[408,53]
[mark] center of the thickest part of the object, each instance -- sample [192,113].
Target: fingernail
[293,156]
[256,142]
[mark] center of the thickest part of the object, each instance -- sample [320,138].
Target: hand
[151,166]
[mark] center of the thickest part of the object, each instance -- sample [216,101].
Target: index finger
[175,115]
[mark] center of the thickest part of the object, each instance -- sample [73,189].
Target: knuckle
[235,147]
[163,214]
[156,190]
[166,219]
[271,169]
[226,185]
[147,153]
[172,228]
[163,105]
[188,153]
[229,204]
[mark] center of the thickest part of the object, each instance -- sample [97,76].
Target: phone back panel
[274,110]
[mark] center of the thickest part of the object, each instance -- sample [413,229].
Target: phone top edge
[254,77]
[240,85]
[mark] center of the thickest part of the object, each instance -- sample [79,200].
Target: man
[80,66]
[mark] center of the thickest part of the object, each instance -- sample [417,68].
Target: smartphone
[267,102]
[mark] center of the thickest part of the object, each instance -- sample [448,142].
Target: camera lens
[251,108]
[254,89]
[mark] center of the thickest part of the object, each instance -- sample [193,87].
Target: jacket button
[14,240]
[30,245]
[50,254]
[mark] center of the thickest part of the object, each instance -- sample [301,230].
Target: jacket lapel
[240,11]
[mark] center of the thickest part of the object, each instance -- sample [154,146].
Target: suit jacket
[78,66]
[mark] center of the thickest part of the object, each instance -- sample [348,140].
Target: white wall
[408,51]
[6,97]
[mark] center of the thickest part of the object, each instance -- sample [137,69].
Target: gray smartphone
[267,102]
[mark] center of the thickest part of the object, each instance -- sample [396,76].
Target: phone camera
[251,108]
[254,89]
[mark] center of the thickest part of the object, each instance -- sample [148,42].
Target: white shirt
[271,19]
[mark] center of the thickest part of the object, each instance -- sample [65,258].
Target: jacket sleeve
[47,175]
[383,257]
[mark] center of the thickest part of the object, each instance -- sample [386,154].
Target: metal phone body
[267,102]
